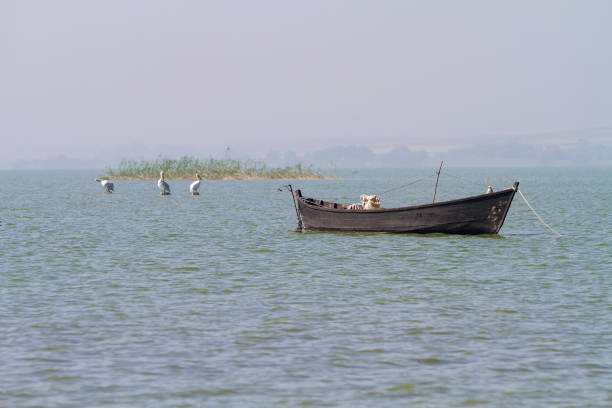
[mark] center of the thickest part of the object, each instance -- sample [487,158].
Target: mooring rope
[540,218]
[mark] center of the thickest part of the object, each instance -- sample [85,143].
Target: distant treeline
[212,169]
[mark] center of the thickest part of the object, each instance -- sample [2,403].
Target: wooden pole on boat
[297,212]
[438,178]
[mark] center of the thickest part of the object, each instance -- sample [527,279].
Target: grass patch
[211,169]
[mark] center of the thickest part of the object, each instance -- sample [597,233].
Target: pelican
[108,186]
[193,188]
[164,188]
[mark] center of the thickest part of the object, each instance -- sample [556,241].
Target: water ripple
[134,299]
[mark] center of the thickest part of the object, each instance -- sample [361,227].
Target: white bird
[164,188]
[193,188]
[489,190]
[108,186]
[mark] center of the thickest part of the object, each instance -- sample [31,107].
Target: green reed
[210,169]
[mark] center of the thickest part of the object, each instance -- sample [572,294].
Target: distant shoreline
[224,178]
[187,167]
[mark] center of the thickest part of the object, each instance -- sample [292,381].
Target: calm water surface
[135,299]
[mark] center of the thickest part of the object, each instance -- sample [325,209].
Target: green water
[134,299]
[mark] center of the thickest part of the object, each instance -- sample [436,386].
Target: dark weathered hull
[482,214]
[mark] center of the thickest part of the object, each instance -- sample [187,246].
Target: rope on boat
[465,180]
[407,184]
[540,218]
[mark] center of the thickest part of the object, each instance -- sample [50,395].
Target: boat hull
[482,214]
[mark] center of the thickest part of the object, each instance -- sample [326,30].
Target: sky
[84,77]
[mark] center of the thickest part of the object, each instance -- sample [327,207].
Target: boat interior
[321,203]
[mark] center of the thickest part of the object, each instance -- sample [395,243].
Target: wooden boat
[480,214]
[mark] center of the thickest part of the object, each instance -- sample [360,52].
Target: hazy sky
[77,76]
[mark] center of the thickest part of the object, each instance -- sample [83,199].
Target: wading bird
[193,188]
[164,188]
[108,186]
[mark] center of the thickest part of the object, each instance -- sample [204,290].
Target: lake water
[137,299]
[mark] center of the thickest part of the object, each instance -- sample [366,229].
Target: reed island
[210,169]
